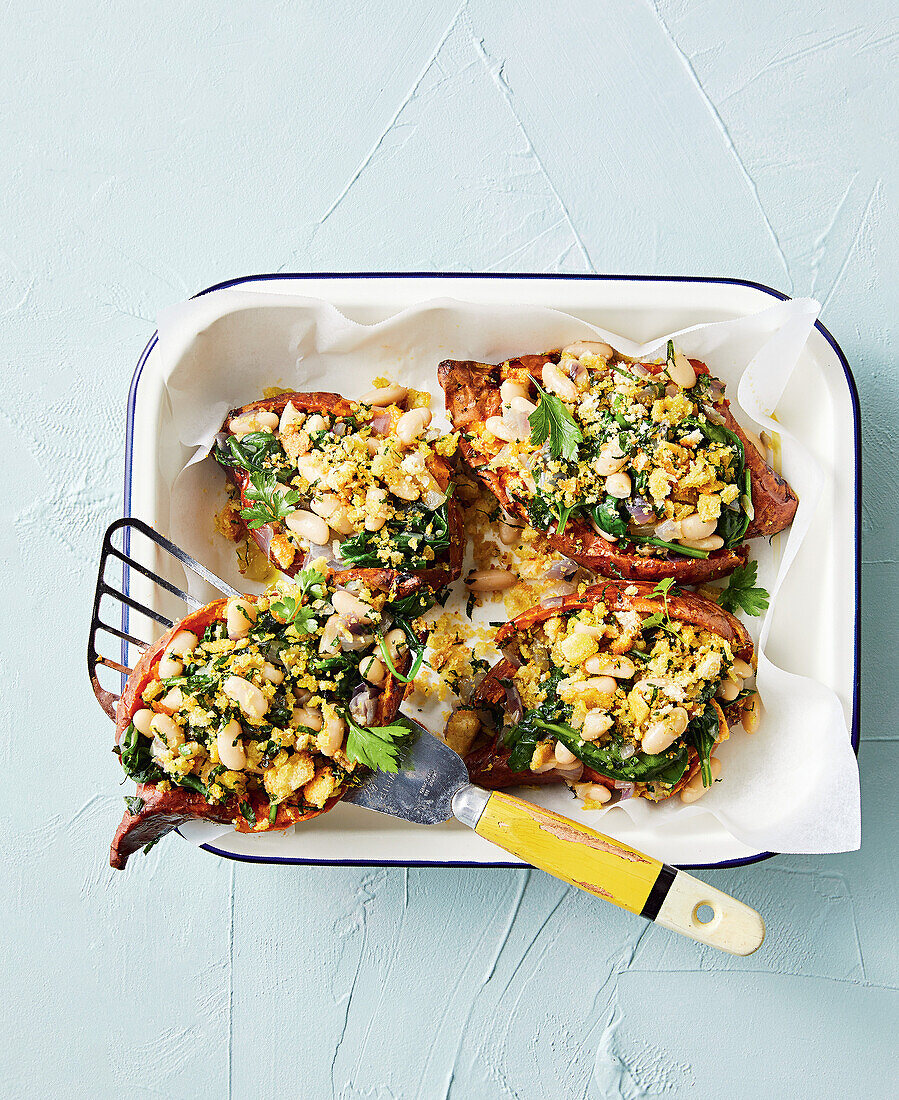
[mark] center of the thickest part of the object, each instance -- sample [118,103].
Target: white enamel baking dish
[820,405]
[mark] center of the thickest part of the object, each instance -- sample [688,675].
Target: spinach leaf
[666,767]
[137,761]
[255,451]
[409,532]
[702,734]
[607,515]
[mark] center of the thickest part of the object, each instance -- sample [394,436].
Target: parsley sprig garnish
[663,619]
[551,419]
[742,593]
[377,747]
[268,505]
[294,609]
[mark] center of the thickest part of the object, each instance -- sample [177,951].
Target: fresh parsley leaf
[267,504]
[741,592]
[664,589]
[294,609]
[134,804]
[551,419]
[376,747]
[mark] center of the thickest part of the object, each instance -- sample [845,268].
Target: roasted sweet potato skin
[164,811]
[488,763]
[398,582]
[472,395]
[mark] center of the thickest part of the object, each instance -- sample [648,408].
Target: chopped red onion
[641,510]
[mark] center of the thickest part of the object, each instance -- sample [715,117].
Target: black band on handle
[659,892]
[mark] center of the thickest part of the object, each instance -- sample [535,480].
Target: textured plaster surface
[148,151]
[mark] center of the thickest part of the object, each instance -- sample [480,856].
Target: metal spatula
[432,786]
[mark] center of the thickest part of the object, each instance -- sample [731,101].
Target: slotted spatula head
[422,790]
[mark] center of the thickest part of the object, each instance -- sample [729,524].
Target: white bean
[247,696]
[695,789]
[315,423]
[752,713]
[681,372]
[611,460]
[678,720]
[498,427]
[374,514]
[522,406]
[231,751]
[309,469]
[597,685]
[290,415]
[184,642]
[259,420]
[729,689]
[372,670]
[657,738]
[272,673]
[329,643]
[618,485]
[509,534]
[692,527]
[595,792]
[742,668]
[622,668]
[412,423]
[308,526]
[171,701]
[556,382]
[170,666]
[331,737]
[714,542]
[386,395]
[339,522]
[596,723]
[396,643]
[240,616]
[510,389]
[168,730]
[306,716]
[490,580]
[141,720]
[351,609]
[563,754]
[588,347]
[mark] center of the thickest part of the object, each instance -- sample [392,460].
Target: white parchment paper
[793,786]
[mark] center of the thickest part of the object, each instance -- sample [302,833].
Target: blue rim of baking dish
[855,731]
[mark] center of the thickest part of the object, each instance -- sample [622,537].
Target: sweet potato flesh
[625,471]
[310,466]
[620,685]
[246,711]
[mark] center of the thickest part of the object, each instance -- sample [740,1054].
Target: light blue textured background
[151,150]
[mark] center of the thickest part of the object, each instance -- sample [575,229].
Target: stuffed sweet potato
[361,483]
[631,469]
[262,711]
[624,687]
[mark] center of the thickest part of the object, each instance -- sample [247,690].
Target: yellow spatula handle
[620,874]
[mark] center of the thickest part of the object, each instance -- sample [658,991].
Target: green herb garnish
[268,504]
[551,419]
[741,592]
[377,747]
